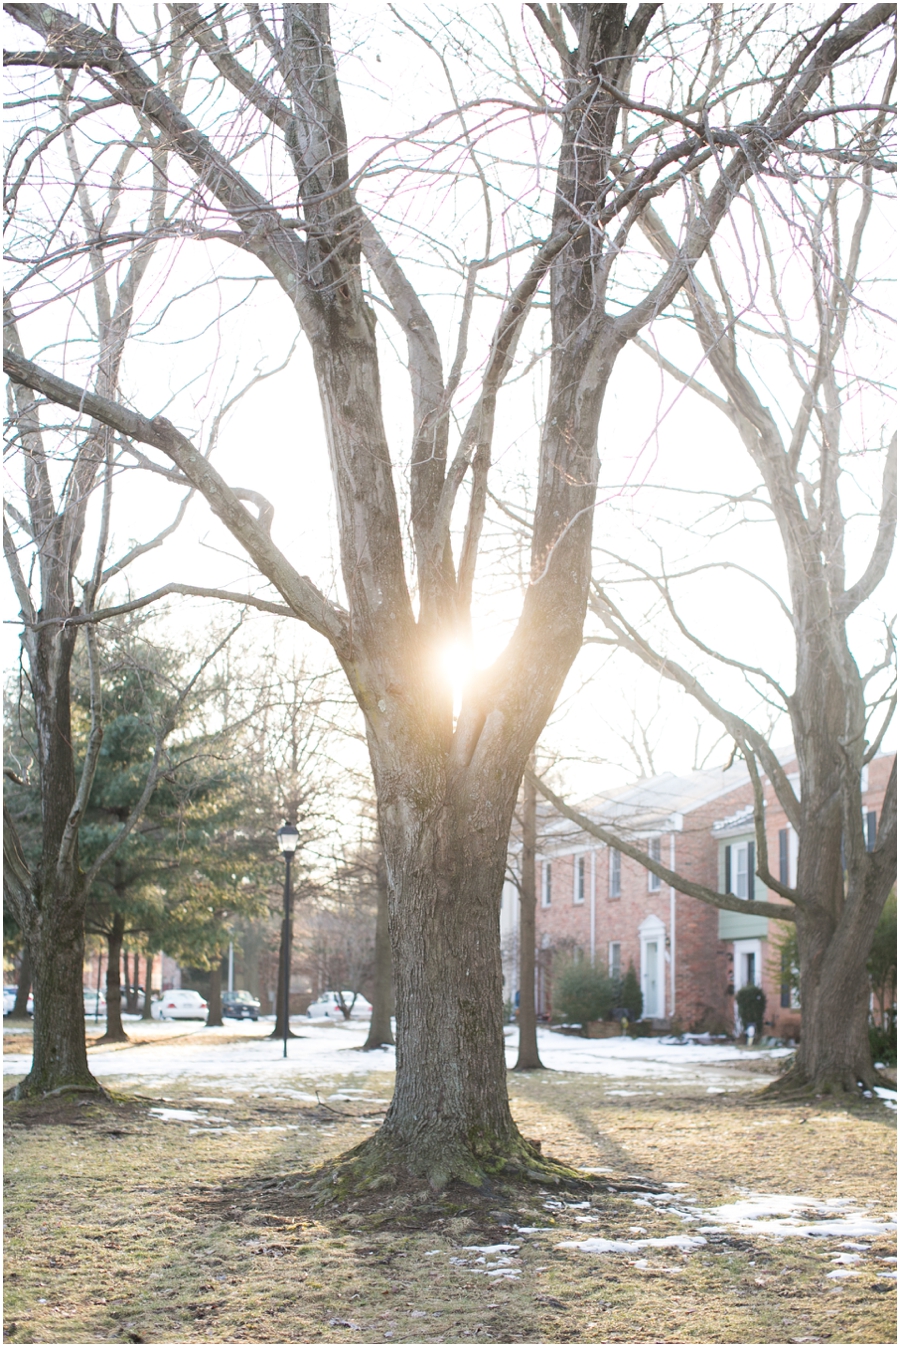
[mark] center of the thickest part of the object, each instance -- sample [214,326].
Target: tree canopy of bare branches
[612,125]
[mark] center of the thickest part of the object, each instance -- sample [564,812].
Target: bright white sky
[660,446]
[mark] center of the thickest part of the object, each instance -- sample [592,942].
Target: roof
[657,803]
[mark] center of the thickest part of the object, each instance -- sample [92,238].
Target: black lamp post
[288,837]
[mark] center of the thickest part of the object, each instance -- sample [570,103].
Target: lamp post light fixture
[288,837]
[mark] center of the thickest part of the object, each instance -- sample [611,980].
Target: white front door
[652,934]
[651,980]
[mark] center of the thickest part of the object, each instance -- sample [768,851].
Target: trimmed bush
[581,993]
[631,997]
[751,1007]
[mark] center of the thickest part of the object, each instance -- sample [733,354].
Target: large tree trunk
[449,1117]
[214,1017]
[115,1033]
[54,923]
[380,1033]
[529,1057]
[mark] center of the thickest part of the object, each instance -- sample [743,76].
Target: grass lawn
[125,1225]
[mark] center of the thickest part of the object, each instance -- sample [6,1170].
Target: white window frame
[546,883]
[740,851]
[654,883]
[579,878]
[615,966]
[615,873]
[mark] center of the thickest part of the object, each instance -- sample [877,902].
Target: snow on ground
[243,1056]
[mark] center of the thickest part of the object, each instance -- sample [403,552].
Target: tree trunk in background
[114,1030]
[19,1011]
[380,1032]
[529,1057]
[214,1017]
[278,1031]
[132,977]
[147,1012]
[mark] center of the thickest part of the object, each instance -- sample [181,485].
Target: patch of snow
[841,1272]
[886,1274]
[887,1097]
[490,1248]
[176,1114]
[777,1214]
[845,1257]
[685,1242]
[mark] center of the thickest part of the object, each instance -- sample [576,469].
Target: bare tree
[695,133]
[838,715]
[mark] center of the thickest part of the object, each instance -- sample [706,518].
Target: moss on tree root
[30,1090]
[385,1162]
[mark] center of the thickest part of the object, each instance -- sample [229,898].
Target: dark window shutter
[871,829]
[728,869]
[783,855]
[751,870]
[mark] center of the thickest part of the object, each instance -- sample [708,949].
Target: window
[740,863]
[615,959]
[546,885]
[783,855]
[871,829]
[578,896]
[654,851]
[615,873]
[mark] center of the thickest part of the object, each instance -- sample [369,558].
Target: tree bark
[380,1033]
[214,1017]
[147,1012]
[529,1057]
[20,1009]
[278,1031]
[115,1032]
[52,916]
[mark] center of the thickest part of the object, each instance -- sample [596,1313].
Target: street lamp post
[288,837]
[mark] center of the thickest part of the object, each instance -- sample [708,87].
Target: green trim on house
[734,925]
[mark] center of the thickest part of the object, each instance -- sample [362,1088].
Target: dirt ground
[125,1225]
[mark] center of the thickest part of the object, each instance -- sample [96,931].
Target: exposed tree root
[797,1084]
[33,1092]
[381,1162]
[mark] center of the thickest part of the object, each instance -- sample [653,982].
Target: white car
[180,1005]
[9,1001]
[328,1007]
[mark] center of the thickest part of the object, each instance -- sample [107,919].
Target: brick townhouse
[690,958]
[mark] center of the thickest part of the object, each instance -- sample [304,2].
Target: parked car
[180,1005]
[9,1001]
[328,1007]
[94,1004]
[240,1006]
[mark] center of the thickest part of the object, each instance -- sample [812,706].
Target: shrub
[751,1005]
[630,995]
[581,993]
[883,1040]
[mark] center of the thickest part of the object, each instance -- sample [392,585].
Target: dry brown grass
[123,1227]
